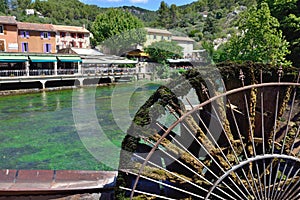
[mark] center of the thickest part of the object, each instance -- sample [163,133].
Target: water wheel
[229,132]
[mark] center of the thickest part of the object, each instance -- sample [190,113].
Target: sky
[146,4]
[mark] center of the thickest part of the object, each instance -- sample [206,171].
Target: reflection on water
[38,130]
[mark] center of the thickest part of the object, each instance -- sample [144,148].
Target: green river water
[44,130]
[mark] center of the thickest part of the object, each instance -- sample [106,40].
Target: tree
[288,14]
[174,15]
[3,6]
[118,30]
[211,25]
[258,40]
[164,15]
[162,50]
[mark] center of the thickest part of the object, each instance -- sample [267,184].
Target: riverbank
[38,90]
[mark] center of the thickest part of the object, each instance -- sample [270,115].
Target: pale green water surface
[37,131]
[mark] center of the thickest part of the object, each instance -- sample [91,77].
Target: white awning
[178,60]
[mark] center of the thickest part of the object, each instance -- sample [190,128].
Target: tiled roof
[7,20]
[186,39]
[161,31]
[35,27]
[76,29]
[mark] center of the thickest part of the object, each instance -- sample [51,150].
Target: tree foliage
[67,12]
[162,50]
[288,14]
[118,30]
[3,6]
[259,39]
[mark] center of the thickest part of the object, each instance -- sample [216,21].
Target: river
[78,129]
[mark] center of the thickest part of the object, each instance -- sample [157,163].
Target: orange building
[8,34]
[36,38]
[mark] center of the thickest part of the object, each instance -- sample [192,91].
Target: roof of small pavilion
[94,56]
[136,53]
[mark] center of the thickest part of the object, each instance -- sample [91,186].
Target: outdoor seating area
[19,65]
[12,65]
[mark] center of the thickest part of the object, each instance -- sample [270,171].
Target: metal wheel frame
[256,190]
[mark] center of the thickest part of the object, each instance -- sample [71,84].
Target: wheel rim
[252,157]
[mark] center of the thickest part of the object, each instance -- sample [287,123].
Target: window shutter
[49,35]
[45,49]
[21,33]
[27,34]
[50,48]
[42,35]
[22,46]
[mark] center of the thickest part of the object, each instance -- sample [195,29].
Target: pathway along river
[37,131]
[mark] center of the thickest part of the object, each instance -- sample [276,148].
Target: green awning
[69,58]
[12,59]
[43,58]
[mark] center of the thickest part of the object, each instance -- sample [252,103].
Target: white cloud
[139,1]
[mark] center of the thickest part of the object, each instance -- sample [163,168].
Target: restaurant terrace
[33,67]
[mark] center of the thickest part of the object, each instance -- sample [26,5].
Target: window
[62,34]
[80,35]
[80,44]
[24,34]
[45,35]
[1,29]
[24,47]
[73,44]
[162,37]
[73,35]
[154,36]
[47,48]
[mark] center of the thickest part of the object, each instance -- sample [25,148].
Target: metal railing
[12,73]
[84,71]
[41,72]
[101,71]
[67,71]
[37,72]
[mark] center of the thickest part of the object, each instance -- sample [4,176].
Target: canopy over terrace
[107,60]
[180,63]
[33,64]
[136,53]
[21,57]
[12,58]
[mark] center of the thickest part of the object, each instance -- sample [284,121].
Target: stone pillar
[27,68]
[80,81]
[55,68]
[112,79]
[43,84]
[79,68]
